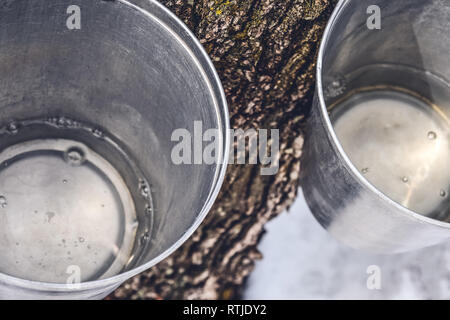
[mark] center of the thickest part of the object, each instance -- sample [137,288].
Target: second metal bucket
[377,153]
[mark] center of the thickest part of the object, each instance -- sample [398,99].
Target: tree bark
[264,52]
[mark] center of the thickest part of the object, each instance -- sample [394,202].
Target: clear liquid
[70,199]
[400,142]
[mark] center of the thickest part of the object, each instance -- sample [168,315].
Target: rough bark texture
[264,52]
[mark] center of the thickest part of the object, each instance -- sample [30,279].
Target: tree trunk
[264,52]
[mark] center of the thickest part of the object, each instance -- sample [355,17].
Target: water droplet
[97,133]
[50,216]
[81,239]
[148,209]
[61,121]
[64,181]
[145,237]
[432,135]
[365,170]
[74,156]
[135,225]
[336,83]
[336,87]
[443,193]
[405,179]
[3,202]
[12,128]
[143,187]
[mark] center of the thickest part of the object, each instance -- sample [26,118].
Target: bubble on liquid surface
[74,156]
[365,170]
[3,202]
[443,193]
[405,179]
[148,209]
[432,135]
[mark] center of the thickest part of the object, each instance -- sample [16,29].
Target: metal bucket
[90,95]
[375,167]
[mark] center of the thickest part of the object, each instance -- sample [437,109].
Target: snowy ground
[301,261]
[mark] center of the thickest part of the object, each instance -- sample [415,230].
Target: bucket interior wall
[413,34]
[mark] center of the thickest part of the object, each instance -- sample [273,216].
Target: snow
[302,261]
